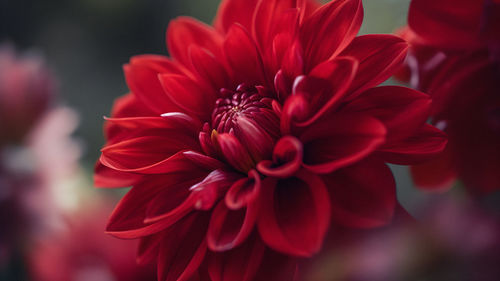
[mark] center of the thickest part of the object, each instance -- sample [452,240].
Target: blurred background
[85,43]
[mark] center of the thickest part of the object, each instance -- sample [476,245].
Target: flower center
[243,129]
[245,105]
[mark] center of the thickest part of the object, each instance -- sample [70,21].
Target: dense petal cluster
[455,57]
[256,134]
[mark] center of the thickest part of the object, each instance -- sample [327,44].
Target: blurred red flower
[37,155]
[454,56]
[256,134]
[82,252]
[26,89]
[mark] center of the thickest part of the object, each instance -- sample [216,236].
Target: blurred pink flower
[455,58]
[83,252]
[37,153]
[452,240]
[26,89]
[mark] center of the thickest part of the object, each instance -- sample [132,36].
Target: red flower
[256,134]
[455,58]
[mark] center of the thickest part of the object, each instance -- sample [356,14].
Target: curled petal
[363,194]
[297,214]
[212,188]
[341,140]
[229,228]
[244,191]
[296,109]
[287,158]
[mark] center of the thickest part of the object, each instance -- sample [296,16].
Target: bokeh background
[86,42]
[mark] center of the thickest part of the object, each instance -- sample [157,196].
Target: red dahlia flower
[258,132]
[455,57]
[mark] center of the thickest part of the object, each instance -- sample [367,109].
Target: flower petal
[148,249]
[174,201]
[241,263]
[402,110]
[183,248]
[326,85]
[212,188]
[184,32]
[330,29]
[244,191]
[129,106]
[287,158]
[363,194]
[148,154]
[234,11]
[266,18]
[297,214]
[188,94]
[439,174]
[244,57]
[127,219]
[208,67]
[128,127]
[229,228]
[449,24]
[257,141]
[234,152]
[421,147]
[379,56]
[107,177]
[142,79]
[341,140]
